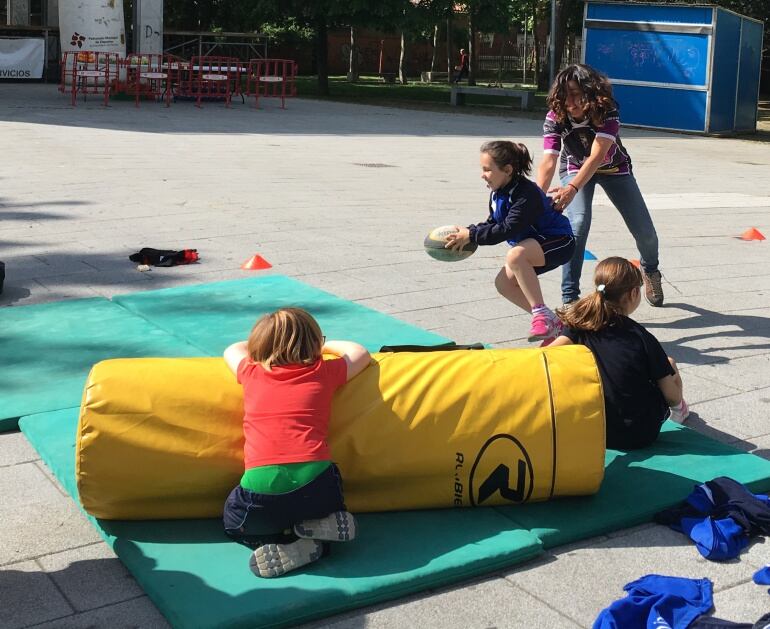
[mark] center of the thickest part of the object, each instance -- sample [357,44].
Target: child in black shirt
[642,385]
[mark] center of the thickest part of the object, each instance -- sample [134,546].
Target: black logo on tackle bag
[502,465]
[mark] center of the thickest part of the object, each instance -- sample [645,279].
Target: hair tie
[601,288]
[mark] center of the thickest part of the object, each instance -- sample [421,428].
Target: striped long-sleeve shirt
[572,141]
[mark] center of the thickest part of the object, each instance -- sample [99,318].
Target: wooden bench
[457,96]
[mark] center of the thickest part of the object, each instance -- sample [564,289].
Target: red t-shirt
[286,411]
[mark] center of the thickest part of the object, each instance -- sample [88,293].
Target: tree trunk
[322,62]
[435,50]
[353,73]
[541,18]
[500,63]
[564,8]
[472,49]
[401,71]
[449,51]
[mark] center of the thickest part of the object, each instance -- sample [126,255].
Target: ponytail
[506,153]
[614,278]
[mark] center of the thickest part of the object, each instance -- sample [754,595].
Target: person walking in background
[582,133]
[462,68]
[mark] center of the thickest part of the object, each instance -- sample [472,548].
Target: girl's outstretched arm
[563,195]
[356,356]
[234,354]
[561,340]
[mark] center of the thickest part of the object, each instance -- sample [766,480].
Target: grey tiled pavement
[340,197]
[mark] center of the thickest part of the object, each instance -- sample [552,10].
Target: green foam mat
[639,483]
[212,316]
[47,350]
[199,579]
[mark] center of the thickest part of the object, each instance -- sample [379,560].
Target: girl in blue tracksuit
[541,238]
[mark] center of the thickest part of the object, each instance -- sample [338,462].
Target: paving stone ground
[340,197]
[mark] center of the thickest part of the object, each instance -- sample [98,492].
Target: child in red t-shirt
[290,496]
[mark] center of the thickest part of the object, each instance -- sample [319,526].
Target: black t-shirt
[631,361]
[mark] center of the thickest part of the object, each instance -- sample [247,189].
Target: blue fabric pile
[720,517]
[660,602]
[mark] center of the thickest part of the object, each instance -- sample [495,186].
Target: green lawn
[371,90]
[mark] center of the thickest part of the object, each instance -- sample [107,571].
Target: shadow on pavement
[747,326]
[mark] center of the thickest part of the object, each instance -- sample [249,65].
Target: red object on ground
[752,234]
[190,256]
[256,263]
[636,263]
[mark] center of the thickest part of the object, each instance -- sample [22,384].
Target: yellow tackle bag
[162,437]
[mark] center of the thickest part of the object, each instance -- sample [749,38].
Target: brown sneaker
[653,288]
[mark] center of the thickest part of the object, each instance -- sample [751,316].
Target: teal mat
[640,483]
[199,579]
[47,350]
[212,316]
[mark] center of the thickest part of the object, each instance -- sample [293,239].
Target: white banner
[21,58]
[95,25]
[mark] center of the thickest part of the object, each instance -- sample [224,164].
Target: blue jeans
[625,196]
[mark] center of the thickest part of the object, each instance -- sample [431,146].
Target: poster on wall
[21,58]
[94,25]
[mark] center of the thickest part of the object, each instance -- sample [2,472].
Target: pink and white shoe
[540,328]
[679,414]
[556,328]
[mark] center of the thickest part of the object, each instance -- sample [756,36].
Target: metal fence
[242,46]
[514,58]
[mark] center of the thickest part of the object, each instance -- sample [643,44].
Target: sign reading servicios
[21,58]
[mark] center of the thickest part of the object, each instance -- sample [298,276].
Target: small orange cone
[256,263]
[752,234]
[636,263]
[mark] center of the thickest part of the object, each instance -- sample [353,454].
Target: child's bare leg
[508,287]
[521,261]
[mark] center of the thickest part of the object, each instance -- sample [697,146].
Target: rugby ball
[436,239]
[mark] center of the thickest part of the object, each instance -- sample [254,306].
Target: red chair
[271,78]
[148,76]
[94,72]
[211,78]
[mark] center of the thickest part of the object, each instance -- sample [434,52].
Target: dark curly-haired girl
[582,134]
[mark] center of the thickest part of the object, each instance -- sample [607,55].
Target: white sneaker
[339,526]
[679,414]
[273,560]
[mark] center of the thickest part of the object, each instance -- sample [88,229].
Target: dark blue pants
[254,519]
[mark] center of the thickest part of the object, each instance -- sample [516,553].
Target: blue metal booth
[681,67]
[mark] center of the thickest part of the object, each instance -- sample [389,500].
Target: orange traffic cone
[256,263]
[636,263]
[752,234]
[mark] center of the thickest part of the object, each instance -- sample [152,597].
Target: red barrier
[271,78]
[148,76]
[209,77]
[93,72]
